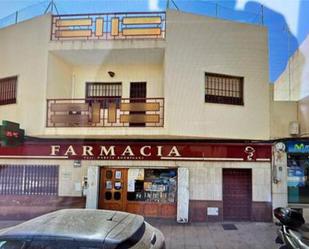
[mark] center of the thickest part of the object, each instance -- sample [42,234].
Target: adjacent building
[291,94]
[163,114]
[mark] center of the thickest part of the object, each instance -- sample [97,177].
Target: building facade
[291,95]
[161,114]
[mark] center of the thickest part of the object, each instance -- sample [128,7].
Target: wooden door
[237,194]
[113,189]
[138,92]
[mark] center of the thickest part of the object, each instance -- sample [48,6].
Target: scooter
[293,233]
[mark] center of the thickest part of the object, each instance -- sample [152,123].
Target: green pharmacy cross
[11,134]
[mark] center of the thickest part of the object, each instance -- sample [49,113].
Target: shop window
[157,185]
[223,89]
[29,179]
[298,178]
[8,89]
[104,93]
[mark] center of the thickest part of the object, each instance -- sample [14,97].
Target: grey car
[83,229]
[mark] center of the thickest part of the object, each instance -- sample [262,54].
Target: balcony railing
[109,26]
[105,112]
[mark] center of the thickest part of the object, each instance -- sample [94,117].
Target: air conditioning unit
[294,128]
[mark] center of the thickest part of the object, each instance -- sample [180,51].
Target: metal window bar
[223,89]
[8,90]
[29,179]
[110,91]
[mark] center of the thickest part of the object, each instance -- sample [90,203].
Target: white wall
[206,180]
[23,52]
[199,44]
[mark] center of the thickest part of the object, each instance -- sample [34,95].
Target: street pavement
[210,235]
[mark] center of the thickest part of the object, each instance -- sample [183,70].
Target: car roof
[108,227]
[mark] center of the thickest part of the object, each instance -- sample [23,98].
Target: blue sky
[287,20]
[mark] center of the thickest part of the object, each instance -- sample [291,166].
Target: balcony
[109,26]
[105,112]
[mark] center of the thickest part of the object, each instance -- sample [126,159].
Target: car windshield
[12,244]
[152,123]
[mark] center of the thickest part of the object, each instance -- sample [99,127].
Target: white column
[279,185]
[92,193]
[183,196]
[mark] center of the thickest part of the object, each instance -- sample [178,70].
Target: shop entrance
[113,189]
[237,194]
[148,192]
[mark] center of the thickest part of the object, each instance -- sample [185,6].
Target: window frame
[13,90]
[105,100]
[300,160]
[225,98]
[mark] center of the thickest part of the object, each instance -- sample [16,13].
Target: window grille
[29,179]
[223,89]
[104,92]
[8,89]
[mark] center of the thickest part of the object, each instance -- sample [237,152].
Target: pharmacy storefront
[183,180]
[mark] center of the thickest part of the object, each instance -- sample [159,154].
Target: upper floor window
[105,93]
[8,89]
[224,89]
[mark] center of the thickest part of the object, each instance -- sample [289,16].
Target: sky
[287,20]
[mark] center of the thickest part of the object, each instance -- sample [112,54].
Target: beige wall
[174,69]
[303,113]
[281,114]
[199,44]
[190,51]
[23,52]
[292,85]
[293,82]
[151,73]
[59,78]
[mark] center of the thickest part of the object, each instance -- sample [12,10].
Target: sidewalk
[249,235]
[212,235]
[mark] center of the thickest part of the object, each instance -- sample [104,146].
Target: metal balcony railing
[105,112]
[109,26]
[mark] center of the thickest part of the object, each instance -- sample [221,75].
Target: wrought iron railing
[105,112]
[109,26]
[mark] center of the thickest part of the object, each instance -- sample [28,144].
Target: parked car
[83,229]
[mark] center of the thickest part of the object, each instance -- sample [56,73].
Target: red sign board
[139,150]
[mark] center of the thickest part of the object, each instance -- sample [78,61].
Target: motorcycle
[293,233]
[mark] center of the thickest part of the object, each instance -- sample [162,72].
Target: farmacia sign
[113,152]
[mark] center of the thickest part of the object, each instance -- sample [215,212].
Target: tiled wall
[206,180]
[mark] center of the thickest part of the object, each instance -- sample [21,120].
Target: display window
[152,185]
[298,178]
